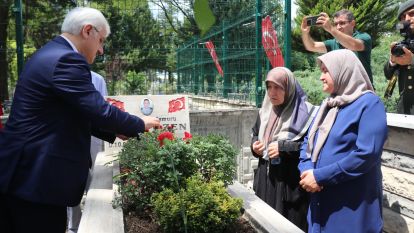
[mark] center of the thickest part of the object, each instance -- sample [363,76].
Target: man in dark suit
[44,147]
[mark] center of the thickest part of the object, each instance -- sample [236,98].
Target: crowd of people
[319,167]
[331,174]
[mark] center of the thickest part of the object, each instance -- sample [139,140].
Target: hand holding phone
[311,20]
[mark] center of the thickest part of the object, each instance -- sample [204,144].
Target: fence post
[258,53]
[288,34]
[17,9]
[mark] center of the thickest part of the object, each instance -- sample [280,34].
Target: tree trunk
[4,22]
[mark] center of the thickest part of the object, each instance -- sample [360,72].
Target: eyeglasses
[410,14]
[341,23]
[101,39]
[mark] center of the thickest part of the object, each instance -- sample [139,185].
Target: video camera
[408,42]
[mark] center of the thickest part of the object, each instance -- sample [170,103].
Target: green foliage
[42,20]
[28,51]
[379,57]
[136,84]
[309,81]
[376,17]
[203,16]
[302,61]
[208,207]
[215,157]
[147,167]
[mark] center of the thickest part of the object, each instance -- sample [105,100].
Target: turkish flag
[116,103]
[270,44]
[176,104]
[210,47]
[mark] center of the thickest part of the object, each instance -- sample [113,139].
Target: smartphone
[311,20]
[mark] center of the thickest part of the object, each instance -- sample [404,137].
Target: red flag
[270,44]
[176,104]
[210,47]
[116,103]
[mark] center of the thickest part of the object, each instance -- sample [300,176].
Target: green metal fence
[142,54]
[239,49]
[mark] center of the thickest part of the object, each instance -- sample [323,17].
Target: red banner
[176,105]
[210,47]
[116,103]
[270,44]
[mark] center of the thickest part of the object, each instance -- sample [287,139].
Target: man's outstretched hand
[151,122]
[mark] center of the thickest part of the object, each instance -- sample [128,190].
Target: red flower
[187,136]
[165,135]
[158,127]
[170,128]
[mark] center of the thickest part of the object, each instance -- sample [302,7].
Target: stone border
[262,217]
[99,215]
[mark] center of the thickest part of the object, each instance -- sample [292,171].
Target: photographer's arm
[347,41]
[308,42]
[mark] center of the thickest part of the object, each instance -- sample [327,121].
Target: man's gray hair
[349,14]
[81,16]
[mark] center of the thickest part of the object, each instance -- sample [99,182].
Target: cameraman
[345,37]
[402,66]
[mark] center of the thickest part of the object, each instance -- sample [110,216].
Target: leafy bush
[215,157]
[309,81]
[158,161]
[146,168]
[207,206]
[379,57]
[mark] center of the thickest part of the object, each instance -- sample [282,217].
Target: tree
[135,83]
[4,19]
[187,27]
[40,21]
[136,42]
[374,17]
[174,9]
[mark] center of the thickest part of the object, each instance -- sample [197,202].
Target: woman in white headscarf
[340,160]
[277,136]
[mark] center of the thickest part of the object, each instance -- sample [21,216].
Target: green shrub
[216,157]
[146,168]
[207,206]
[310,83]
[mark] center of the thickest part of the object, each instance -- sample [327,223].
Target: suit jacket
[44,147]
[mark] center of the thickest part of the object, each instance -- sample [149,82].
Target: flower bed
[180,184]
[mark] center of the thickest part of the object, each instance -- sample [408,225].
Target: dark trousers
[20,216]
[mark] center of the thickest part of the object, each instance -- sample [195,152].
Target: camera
[311,20]
[408,42]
